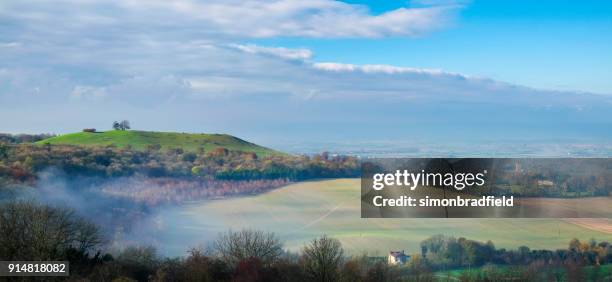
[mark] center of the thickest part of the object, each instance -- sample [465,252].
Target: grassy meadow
[603,273]
[302,211]
[167,140]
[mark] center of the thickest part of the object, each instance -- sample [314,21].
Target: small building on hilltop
[90,130]
[397,257]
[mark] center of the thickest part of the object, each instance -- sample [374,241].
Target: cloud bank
[191,66]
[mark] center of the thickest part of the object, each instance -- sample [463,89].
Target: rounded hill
[141,140]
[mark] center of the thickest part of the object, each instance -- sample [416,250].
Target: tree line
[22,162]
[30,231]
[23,138]
[441,251]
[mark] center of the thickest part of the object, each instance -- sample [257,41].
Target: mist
[123,221]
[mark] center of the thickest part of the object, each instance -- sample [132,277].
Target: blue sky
[564,45]
[281,72]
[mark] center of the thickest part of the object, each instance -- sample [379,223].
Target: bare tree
[322,259]
[234,247]
[138,262]
[29,231]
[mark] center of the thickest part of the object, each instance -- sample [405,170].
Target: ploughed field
[302,211]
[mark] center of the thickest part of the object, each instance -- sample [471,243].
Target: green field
[300,212]
[141,139]
[588,273]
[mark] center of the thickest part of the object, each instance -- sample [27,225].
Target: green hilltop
[139,140]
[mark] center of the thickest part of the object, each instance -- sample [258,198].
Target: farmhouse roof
[397,253]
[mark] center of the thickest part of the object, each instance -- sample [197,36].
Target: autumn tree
[3,150]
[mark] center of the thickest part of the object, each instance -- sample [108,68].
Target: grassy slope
[302,211]
[140,139]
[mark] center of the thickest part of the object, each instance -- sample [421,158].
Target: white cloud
[88,92]
[388,69]
[9,44]
[230,18]
[175,65]
[286,53]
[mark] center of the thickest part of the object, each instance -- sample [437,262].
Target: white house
[397,257]
[546,183]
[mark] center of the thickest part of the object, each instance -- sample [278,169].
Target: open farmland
[302,211]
